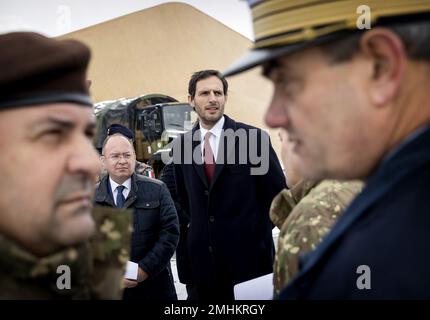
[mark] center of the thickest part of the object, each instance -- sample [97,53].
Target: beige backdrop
[156,50]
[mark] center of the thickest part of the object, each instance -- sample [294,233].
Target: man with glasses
[141,167]
[155,222]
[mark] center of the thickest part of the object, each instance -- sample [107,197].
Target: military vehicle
[155,120]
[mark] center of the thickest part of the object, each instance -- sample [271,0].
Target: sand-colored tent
[156,50]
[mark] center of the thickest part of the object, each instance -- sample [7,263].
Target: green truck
[155,120]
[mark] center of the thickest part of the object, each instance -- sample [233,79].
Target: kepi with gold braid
[286,26]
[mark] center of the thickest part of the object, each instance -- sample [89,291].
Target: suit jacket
[379,247]
[154,237]
[182,260]
[230,233]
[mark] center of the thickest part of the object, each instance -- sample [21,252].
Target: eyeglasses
[115,157]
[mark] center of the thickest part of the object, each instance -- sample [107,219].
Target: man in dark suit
[352,92]
[155,222]
[226,174]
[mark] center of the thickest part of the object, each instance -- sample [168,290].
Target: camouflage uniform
[96,266]
[304,215]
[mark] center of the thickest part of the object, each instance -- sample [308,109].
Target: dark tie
[209,160]
[120,197]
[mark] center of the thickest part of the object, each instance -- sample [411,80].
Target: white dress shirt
[114,185]
[214,139]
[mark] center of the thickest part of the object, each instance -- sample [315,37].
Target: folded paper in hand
[260,288]
[131,270]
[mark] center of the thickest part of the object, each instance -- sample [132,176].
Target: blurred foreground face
[289,160]
[326,111]
[48,168]
[119,158]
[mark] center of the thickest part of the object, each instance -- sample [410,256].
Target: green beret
[285,26]
[40,70]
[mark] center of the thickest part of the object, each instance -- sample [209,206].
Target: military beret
[39,70]
[285,26]
[118,128]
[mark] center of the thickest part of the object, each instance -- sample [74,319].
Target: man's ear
[388,55]
[191,101]
[102,162]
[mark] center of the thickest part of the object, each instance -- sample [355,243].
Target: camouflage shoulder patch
[111,250]
[281,207]
[286,200]
[307,224]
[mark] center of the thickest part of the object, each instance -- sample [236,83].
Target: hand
[130,283]
[141,275]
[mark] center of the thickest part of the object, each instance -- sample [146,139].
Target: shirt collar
[215,130]
[114,185]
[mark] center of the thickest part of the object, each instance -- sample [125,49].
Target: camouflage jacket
[91,270]
[304,215]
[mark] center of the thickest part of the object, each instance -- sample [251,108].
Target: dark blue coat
[386,228]
[182,260]
[154,237]
[230,233]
